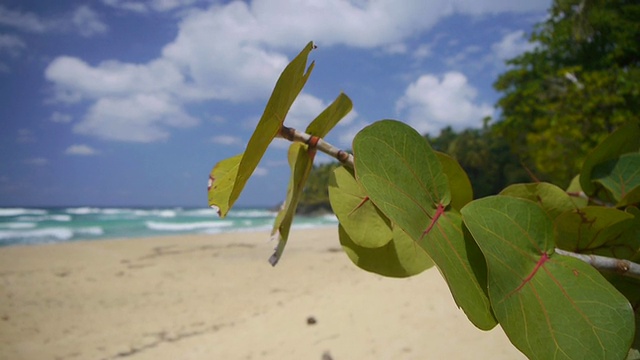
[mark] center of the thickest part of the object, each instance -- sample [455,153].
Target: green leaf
[550,306]
[624,140]
[399,258]
[287,88]
[575,191]
[401,174]
[403,177]
[329,117]
[551,198]
[621,176]
[221,181]
[365,225]
[459,184]
[301,162]
[594,229]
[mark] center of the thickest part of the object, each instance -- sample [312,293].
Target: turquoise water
[50,225]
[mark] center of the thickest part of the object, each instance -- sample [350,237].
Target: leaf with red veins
[543,259]
[366,198]
[436,216]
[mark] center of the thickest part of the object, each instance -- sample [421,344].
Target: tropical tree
[580,82]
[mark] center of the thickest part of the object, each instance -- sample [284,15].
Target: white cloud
[23,21]
[430,103]
[511,45]
[11,44]
[59,117]
[235,52]
[81,150]
[423,51]
[25,136]
[140,118]
[112,78]
[226,140]
[87,22]
[261,171]
[150,5]
[304,109]
[83,19]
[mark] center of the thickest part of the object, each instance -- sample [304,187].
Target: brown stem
[603,263]
[294,135]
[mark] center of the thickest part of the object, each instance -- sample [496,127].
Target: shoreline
[217,297]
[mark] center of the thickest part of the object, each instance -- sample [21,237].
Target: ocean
[51,225]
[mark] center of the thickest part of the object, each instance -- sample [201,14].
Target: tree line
[580,81]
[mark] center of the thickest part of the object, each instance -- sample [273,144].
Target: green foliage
[579,83]
[540,298]
[512,259]
[315,196]
[484,155]
[289,85]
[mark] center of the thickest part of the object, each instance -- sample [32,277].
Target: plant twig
[603,263]
[294,135]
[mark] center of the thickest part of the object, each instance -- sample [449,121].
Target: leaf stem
[603,263]
[294,135]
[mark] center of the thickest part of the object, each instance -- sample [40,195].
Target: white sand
[217,297]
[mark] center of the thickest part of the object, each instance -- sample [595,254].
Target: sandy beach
[217,297]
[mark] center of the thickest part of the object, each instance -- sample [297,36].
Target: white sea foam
[91,230]
[55,217]
[82,210]
[164,226]
[21,211]
[18,225]
[57,233]
[201,212]
[252,213]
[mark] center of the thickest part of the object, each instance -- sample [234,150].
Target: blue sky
[125,102]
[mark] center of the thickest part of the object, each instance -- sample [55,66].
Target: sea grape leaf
[463,266]
[301,162]
[398,258]
[403,177]
[360,219]
[575,192]
[329,117]
[286,90]
[596,230]
[221,182]
[623,140]
[459,184]
[630,288]
[401,174]
[621,176]
[551,198]
[550,306]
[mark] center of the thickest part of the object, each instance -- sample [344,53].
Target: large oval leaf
[401,174]
[403,177]
[624,140]
[598,230]
[360,219]
[621,177]
[550,306]
[551,198]
[459,184]
[399,258]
